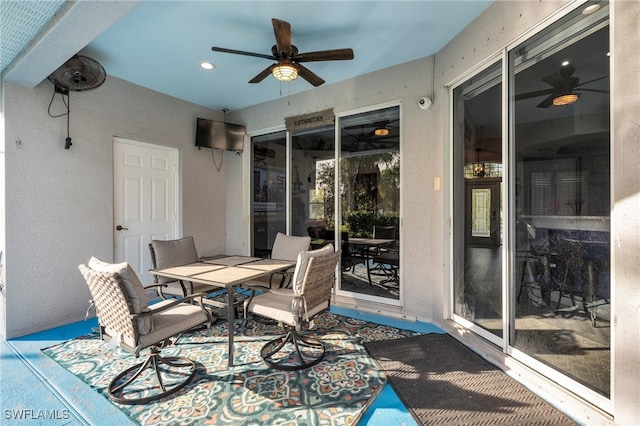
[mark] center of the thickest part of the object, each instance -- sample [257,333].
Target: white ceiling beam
[74,26]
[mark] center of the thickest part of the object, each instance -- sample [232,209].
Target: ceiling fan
[563,88]
[287,66]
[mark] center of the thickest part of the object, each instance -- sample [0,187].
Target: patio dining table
[225,272]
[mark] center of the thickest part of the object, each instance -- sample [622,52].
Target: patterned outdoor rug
[442,382]
[334,392]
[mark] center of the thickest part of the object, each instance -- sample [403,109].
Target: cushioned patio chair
[285,247]
[125,317]
[170,253]
[296,307]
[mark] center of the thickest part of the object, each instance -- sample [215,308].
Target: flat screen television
[219,135]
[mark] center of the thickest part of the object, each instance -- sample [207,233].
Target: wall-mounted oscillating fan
[78,73]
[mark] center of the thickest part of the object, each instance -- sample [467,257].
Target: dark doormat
[442,382]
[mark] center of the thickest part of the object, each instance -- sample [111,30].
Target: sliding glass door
[531,273]
[312,181]
[561,139]
[297,187]
[268,190]
[370,203]
[477,290]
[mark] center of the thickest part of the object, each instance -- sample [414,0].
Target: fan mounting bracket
[60,90]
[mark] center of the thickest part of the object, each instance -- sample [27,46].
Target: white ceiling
[160,44]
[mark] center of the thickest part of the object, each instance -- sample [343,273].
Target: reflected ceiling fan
[287,66]
[379,137]
[563,88]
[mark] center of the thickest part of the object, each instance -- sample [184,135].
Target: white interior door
[145,201]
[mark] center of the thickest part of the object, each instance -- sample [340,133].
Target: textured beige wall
[59,203]
[625,220]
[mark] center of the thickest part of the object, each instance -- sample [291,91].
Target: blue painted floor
[35,390]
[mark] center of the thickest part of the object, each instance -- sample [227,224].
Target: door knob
[120,228]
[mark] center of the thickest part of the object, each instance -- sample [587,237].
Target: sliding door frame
[508,203]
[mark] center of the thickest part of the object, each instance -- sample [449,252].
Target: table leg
[366,259]
[230,318]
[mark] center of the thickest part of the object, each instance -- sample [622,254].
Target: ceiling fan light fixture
[590,9]
[284,71]
[565,99]
[381,131]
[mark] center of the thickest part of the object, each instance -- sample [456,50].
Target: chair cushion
[135,289]
[302,263]
[280,307]
[287,247]
[172,321]
[284,306]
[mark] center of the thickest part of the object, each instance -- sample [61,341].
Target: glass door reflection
[561,305]
[268,196]
[370,203]
[478,284]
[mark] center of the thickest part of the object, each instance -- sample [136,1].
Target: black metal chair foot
[308,352]
[118,389]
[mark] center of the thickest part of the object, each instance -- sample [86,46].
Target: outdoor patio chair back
[169,253]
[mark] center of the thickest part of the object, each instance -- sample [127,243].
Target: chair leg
[119,393]
[308,352]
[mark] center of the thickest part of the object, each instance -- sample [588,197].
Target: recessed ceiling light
[590,9]
[207,65]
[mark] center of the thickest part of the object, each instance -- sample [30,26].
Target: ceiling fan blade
[591,81]
[324,55]
[582,89]
[264,74]
[554,80]
[547,102]
[242,52]
[282,31]
[534,94]
[309,76]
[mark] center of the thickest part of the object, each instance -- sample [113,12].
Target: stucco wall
[59,208]
[625,218]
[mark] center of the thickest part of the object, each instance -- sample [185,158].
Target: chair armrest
[283,292]
[151,311]
[150,286]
